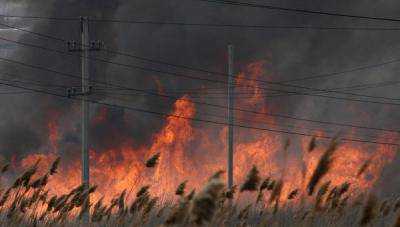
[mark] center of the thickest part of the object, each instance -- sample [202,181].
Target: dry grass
[27,202]
[323,166]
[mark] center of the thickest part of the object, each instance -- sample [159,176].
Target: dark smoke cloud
[291,54]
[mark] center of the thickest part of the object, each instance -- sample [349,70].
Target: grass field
[255,202]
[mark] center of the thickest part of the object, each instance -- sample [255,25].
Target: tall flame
[193,153]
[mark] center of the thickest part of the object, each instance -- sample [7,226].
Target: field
[255,202]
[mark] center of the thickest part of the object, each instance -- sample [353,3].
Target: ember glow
[193,153]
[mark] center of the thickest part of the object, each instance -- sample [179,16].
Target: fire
[193,153]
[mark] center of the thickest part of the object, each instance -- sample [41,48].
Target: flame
[194,153]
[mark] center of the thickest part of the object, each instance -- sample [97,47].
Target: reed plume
[252,181]
[321,192]
[152,162]
[230,193]
[204,203]
[293,194]
[54,166]
[312,144]
[181,189]
[364,167]
[5,168]
[264,185]
[323,166]
[276,191]
[217,175]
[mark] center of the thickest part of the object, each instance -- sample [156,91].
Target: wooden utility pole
[231,87]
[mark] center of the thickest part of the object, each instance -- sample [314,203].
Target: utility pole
[231,87]
[84,47]
[85,104]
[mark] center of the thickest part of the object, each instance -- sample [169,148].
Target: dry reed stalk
[98,211]
[77,189]
[161,211]
[342,204]
[142,198]
[276,191]
[312,144]
[148,208]
[364,167]
[121,201]
[51,204]
[217,175]
[190,196]
[271,185]
[321,192]
[54,166]
[397,221]
[178,213]
[152,162]
[60,203]
[5,197]
[34,198]
[244,213]
[204,203]
[143,190]
[396,204]
[108,211]
[260,196]
[5,168]
[383,205]
[27,175]
[293,194]
[264,185]
[40,182]
[85,208]
[181,189]
[252,180]
[343,188]
[369,212]
[323,166]
[336,194]
[43,196]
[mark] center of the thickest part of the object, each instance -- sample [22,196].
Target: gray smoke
[290,54]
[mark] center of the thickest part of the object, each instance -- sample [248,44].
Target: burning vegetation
[310,181]
[30,200]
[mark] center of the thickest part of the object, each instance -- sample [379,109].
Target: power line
[222,82]
[240,118]
[279,83]
[31,82]
[36,83]
[199,103]
[175,97]
[40,17]
[212,25]
[199,93]
[244,26]
[117,97]
[302,11]
[198,119]
[204,93]
[15,92]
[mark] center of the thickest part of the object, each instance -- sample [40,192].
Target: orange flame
[193,153]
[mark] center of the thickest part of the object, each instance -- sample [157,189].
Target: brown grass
[29,202]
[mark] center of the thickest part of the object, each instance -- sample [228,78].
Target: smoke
[289,54]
